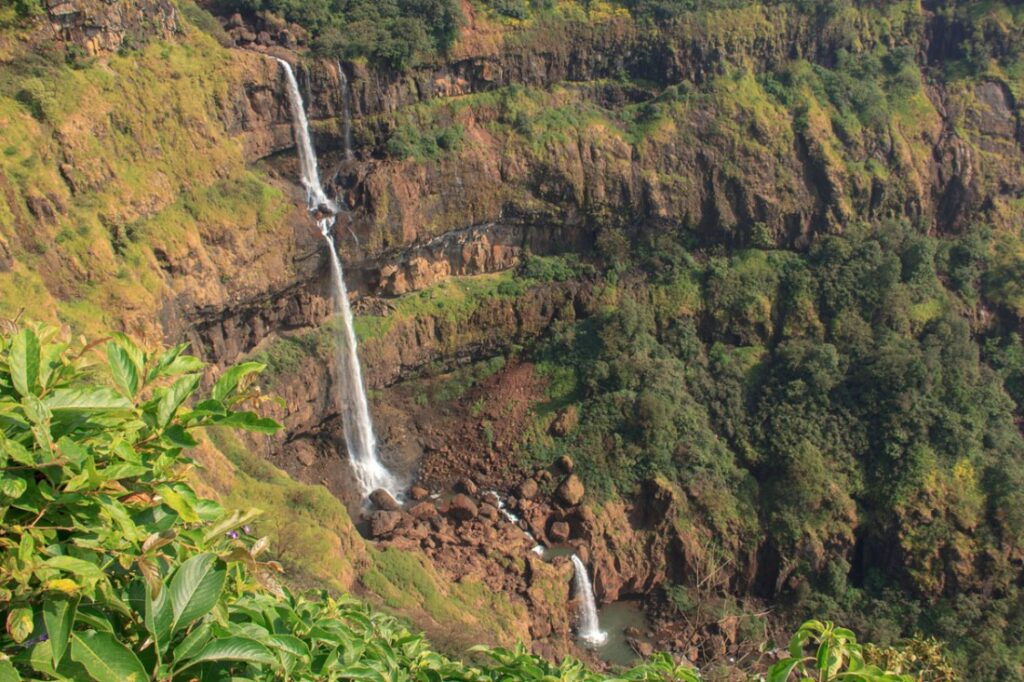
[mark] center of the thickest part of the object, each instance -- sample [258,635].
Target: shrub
[835,655]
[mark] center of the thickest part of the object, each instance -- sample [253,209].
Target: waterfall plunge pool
[615,619]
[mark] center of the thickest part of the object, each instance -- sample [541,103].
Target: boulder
[571,491]
[467,486]
[491,498]
[489,511]
[528,489]
[384,522]
[642,648]
[559,532]
[423,510]
[418,492]
[462,508]
[383,500]
[565,464]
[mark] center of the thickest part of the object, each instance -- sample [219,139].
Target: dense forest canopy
[811,395]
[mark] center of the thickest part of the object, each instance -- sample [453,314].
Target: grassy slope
[129,155]
[313,536]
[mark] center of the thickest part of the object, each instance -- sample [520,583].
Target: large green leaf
[195,589]
[193,643]
[106,659]
[19,623]
[181,499]
[173,363]
[781,671]
[59,615]
[250,421]
[83,569]
[8,672]
[158,617]
[175,396]
[24,362]
[230,380]
[85,400]
[233,649]
[12,487]
[123,369]
[135,354]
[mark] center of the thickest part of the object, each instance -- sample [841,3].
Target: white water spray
[316,201]
[346,111]
[537,548]
[362,445]
[590,629]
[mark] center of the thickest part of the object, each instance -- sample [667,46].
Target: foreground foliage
[113,569]
[836,655]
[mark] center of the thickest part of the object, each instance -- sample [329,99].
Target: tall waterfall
[362,445]
[316,201]
[590,629]
[346,112]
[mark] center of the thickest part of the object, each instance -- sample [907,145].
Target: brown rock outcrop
[462,508]
[570,491]
[383,500]
[103,26]
[558,532]
[384,522]
[423,510]
[527,489]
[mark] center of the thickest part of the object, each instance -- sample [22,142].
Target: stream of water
[346,118]
[370,472]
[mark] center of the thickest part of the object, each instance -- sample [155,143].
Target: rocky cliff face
[566,136]
[98,27]
[473,211]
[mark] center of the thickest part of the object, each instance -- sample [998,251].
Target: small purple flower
[247,529]
[35,640]
[233,534]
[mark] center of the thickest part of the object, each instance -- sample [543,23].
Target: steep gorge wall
[474,210]
[728,160]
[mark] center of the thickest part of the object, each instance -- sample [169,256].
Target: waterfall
[362,445]
[316,201]
[346,111]
[590,629]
